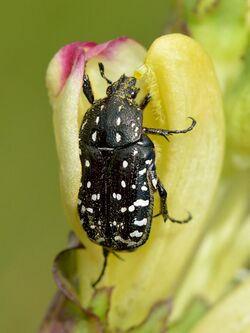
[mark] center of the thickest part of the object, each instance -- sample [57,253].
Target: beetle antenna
[101,69]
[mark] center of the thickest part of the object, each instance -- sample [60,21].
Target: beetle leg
[164,133]
[164,210]
[87,90]
[105,254]
[145,101]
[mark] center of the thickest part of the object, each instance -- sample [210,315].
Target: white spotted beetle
[116,195]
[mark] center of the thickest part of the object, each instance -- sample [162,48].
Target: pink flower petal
[74,55]
[69,55]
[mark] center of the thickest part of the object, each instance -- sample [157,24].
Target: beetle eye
[109,90]
[133,93]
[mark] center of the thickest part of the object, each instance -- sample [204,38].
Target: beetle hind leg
[165,133]
[105,255]
[164,210]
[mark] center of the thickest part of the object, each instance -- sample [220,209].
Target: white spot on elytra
[148,161]
[94,197]
[90,210]
[137,129]
[114,223]
[114,195]
[140,222]
[88,184]
[128,242]
[97,120]
[123,209]
[79,201]
[131,208]
[141,203]
[124,164]
[98,196]
[120,107]
[84,124]
[154,182]
[92,226]
[102,107]
[118,121]
[133,186]
[118,137]
[83,209]
[123,183]
[141,172]
[136,233]
[144,188]
[118,196]
[133,125]
[87,164]
[100,240]
[94,136]
[140,143]
[135,152]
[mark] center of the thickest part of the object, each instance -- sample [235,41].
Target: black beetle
[116,196]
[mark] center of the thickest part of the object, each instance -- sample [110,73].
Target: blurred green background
[33,228]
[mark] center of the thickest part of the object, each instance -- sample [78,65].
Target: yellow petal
[224,250]
[181,80]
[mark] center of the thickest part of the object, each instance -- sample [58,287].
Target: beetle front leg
[145,101]
[163,205]
[164,133]
[87,89]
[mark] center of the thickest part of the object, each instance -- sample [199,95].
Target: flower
[181,80]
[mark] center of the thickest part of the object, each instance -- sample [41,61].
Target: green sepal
[100,303]
[156,321]
[64,316]
[66,313]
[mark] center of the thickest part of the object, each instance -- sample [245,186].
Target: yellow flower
[181,80]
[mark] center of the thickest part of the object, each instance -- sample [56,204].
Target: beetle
[119,178]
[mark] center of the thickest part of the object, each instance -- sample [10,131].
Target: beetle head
[125,86]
